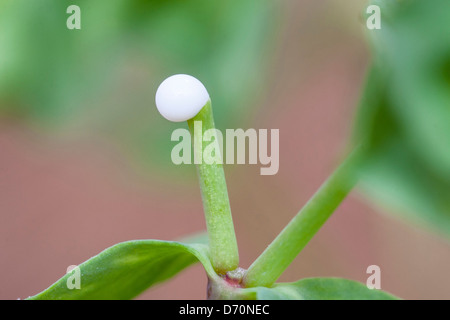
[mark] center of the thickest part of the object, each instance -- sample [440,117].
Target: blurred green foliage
[104,76]
[405,112]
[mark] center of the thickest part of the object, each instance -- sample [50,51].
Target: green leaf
[125,270]
[404,116]
[320,289]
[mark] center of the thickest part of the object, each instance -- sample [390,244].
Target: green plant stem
[222,240]
[269,266]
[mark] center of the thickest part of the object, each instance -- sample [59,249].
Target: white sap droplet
[180,97]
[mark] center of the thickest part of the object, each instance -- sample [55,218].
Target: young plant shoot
[146,262]
[182,97]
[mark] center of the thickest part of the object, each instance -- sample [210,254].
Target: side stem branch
[269,266]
